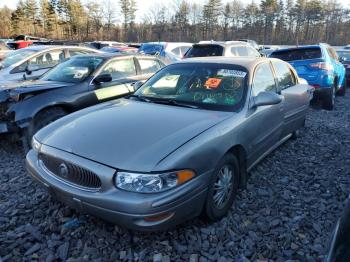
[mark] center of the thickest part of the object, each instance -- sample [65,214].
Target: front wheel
[223,188]
[42,119]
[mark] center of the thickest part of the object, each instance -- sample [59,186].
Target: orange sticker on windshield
[212,82]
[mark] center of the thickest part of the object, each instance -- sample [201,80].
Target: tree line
[269,22]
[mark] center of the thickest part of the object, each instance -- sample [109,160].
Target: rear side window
[263,79]
[239,51]
[332,53]
[149,66]
[285,77]
[205,50]
[298,54]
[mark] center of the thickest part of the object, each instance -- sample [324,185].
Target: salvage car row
[179,144]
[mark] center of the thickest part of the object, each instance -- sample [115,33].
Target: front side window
[253,52]
[210,86]
[263,79]
[75,70]
[48,59]
[149,66]
[285,77]
[119,69]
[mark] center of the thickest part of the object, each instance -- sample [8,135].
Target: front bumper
[128,209]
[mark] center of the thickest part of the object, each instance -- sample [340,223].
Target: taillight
[316,86]
[322,65]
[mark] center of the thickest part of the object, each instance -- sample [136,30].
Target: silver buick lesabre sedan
[181,145]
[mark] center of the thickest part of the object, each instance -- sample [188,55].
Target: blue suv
[320,66]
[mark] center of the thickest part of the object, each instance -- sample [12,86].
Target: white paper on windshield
[230,72]
[80,72]
[167,81]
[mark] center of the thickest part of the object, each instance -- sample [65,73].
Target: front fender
[24,111]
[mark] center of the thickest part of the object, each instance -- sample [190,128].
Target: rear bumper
[130,210]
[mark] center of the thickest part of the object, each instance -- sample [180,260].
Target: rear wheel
[329,99]
[342,90]
[223,188]
[42,119]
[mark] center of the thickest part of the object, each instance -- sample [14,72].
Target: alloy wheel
[223,186]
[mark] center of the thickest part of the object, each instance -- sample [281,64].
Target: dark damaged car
[75,84]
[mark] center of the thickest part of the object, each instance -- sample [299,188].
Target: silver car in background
[34,61]
[180,146]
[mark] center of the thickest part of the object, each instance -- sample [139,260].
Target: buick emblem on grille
[63,169]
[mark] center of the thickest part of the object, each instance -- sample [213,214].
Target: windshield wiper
[141,98]
[174,102]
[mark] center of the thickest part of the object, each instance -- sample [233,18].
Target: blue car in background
[320,66]
[169,50]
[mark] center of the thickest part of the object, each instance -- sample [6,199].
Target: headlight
[36,145]
[152,183]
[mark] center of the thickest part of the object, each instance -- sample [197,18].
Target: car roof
[48,47]
[301,47]
[223,43]
[247,62]
[107,55]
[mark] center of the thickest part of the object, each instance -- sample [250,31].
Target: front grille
[70,172]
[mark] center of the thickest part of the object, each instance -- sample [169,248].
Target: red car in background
[23,41]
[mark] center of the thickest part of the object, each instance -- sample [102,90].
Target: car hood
[26,87]
[128,135]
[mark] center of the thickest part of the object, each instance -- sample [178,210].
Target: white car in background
[34,61]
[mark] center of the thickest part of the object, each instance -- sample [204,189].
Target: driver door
[123,76]
[264,123]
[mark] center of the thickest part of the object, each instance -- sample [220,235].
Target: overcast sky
[144,5]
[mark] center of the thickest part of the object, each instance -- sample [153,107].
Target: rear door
[264,123]
[296,97]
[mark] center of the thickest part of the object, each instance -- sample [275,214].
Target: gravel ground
[287,211]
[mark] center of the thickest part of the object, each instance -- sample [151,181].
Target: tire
[342,90]
[42,119]
[218,204]
[329,99]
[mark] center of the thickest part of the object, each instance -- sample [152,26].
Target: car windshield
[204,50]
[16,56]
[297,54]
[151,49]
[204,85]
[75,70]
[344,54]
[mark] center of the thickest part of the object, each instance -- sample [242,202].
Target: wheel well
[64,107]
[241,154]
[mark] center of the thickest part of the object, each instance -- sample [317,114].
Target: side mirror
[104,78]
[266,99]
[31,68]
[137,85]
